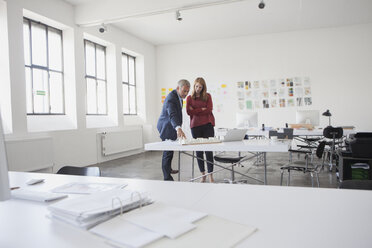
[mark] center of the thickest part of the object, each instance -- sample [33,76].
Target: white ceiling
[221,21]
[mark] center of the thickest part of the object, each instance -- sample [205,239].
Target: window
[129,84]
[43,68]
[95,75]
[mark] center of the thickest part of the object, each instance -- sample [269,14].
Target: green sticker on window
[40,92]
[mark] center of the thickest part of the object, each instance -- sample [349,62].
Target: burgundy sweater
[199,117]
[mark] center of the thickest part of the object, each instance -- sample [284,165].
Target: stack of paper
[86,188]
[87,211]
[145,225]
[32,195]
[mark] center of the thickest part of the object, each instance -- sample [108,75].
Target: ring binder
[121,205]
[89,210]
[140,198]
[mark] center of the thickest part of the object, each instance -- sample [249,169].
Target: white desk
[255,146]
[296,132]
[284,216]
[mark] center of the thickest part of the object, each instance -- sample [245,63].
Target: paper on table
[211,231]
[152,222]
[125,233]
[169,221]
[36,195]
[86,188]
[97,203]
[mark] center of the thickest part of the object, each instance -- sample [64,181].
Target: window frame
[95,77]
[44,68]
[128,84]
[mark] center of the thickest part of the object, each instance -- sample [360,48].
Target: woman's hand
[204,109]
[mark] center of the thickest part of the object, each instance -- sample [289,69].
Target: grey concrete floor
[147,165]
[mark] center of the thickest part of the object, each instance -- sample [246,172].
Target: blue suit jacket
[170,117]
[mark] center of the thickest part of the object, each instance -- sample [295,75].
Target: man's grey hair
[183,82]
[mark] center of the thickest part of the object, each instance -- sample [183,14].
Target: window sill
[97,121]
[41,123]
[133,120]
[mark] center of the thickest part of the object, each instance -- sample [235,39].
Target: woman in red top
[199,106]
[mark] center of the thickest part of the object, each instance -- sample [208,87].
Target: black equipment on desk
[361,145]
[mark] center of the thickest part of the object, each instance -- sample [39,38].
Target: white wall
[77,144]
[6,114]
[337,60]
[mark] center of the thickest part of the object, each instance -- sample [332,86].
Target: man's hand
[181,134]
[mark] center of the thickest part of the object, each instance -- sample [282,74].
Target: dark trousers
[204,131]
[166,165]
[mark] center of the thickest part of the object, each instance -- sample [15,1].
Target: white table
[296,132]
[255,146]
[284,216]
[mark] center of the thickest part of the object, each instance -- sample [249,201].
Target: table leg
[179,166]
[192,169]
[265,178]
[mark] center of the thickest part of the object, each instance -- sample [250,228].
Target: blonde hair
[203,93]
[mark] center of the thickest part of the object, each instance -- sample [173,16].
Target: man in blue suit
[170,122]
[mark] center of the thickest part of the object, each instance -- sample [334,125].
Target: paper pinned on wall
[249,104]
[290,102]
[273,93]
[308,101]
[299,101]
[163,94]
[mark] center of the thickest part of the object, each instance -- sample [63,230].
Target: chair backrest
[333,132]
[273,133]
[320,149]
[288,133]
[80,171]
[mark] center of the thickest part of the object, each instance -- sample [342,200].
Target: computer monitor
[246,119]
[4,177]
[307,117]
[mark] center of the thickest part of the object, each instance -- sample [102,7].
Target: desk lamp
[328,114]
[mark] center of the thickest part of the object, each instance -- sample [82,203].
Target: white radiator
[30,154]
[121,141]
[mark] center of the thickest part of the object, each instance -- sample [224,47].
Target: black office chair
[80,171]
[286,134]
[356,184]
[335,134]
[305,169]
[229,159]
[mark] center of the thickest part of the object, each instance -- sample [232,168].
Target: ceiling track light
[102,28]
[158,12]
[178,16]
[261,5]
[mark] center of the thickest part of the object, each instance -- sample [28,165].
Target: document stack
[143,226]
[161,226]
[89,210]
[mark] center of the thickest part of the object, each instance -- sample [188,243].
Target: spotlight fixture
[102,28]
[178,16]
[261,5]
